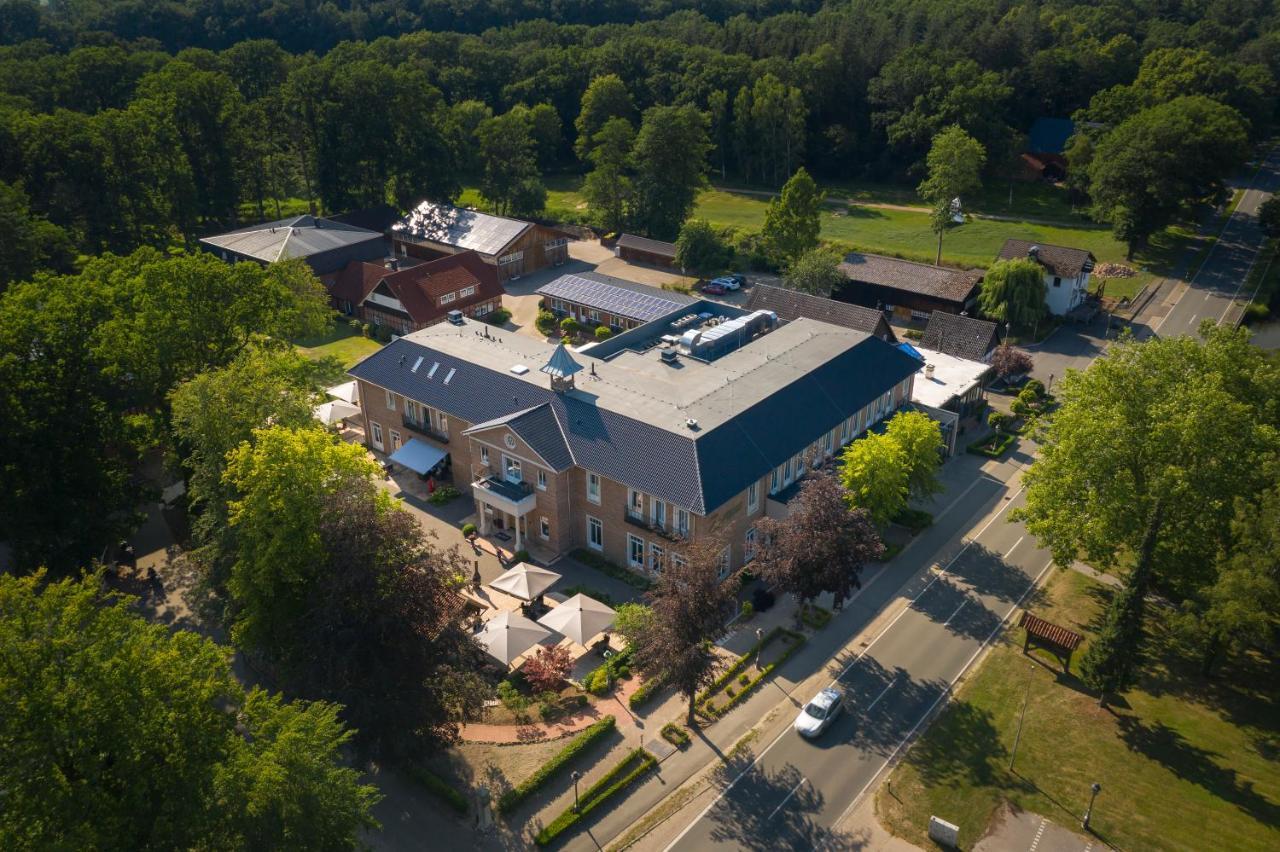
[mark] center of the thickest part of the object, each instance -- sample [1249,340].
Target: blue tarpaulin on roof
[417,456]
[911,350]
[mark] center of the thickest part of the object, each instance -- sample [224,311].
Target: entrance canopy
[418,457]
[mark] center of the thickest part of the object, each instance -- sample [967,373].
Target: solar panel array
[453,226]
[611,298]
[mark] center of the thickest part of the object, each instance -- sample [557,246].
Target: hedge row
[710,711]
[738,665]
[815,616]
[674,734]
[619,666]
[645,692]
[513,797]
[979,448]
[439,788]
[598,793]
[604,566]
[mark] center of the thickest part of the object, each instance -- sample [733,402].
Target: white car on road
[818,714]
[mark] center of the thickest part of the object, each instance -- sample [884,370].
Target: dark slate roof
[1061,261]
[698,470]
[645,244]
[963,337]
[464,229]
[615,296]
[1049,135]
[540,429]
[792,304]
[952,285]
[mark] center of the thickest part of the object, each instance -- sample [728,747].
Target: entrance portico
[514,499]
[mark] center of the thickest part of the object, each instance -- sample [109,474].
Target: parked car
[817,715]
[728,282]
[738,277]
[714,288]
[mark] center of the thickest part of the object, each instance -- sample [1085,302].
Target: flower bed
[674,734]
[617,667]
[604,566]
[513,797]
[991,447]
[438,787]
[707,707]
[630,768]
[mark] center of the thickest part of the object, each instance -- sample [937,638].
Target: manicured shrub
[645,693]
[443,494]
[438,787]
[594,560]
[512,698]
[744,678]
[1020,407]
[747,611]
[513,797]
[519,556]
[546,322]
[366,330]
[498,317]
[999,421]
[815,616]
[569,325]
[992,448]
[1035,387]
[468,530]
[713,711]
[674,734]
[603,332]
[631,767]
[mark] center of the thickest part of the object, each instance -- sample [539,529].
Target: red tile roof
[420,287]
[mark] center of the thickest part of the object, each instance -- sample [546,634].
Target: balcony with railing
[424,429]
[639,520]
[515,498]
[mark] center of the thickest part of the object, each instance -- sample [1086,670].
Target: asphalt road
[797,789]
[1222,277]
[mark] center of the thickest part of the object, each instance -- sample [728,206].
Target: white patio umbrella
[329,413]
[525,581]
[580,618]
[346,392]
[509,634]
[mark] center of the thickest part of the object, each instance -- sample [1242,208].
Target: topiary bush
[569,325]
[468,530]
[546,322]
[603,332]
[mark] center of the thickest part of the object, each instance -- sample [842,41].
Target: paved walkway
[1015,830]
[532,732]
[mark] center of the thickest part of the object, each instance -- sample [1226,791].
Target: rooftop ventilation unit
[455,317]
[928,371]
[668,356]
[519,369]
[692,424]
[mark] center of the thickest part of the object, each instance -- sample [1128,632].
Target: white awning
[346,392]
[329,413]
[419,457]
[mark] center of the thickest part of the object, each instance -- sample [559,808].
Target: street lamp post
[1026,696]
[1049,389]
[759,644]
[1093,794]
[576,776]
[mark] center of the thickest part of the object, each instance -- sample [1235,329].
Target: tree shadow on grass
[963,749]
[1171,749]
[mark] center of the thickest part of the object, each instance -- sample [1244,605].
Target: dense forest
[130,123]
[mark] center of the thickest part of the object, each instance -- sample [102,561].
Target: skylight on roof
[416,364]
[452,370]
[519,369]
[431,374]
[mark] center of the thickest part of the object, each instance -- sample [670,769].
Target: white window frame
[749,545]
[484,455]
[375,435]
[593,488]
[510,465]
[559,242]
[396,442]
[444,424]
[391,401]
[753,497]
[788,472]
[544,528]
[446,298]
[595,526]
[725,560]
[467,291]
[658,512]
[632,542]
[511,258]
[682,521]
[775,480]
[657,558]
[635,503]
[542,480]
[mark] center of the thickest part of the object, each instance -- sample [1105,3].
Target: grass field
[1184,764]
[342,342]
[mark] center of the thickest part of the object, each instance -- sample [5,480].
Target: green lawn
[1184,764]
[342,342]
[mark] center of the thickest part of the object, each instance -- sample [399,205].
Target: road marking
[963,494]
[881,695]
[862,654]
[1015,547]
[957,612]
[1039,834]
[787,799]
[927,713]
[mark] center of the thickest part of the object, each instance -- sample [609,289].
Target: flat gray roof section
[447,225]
[300,236]
[645,244]
[615,296]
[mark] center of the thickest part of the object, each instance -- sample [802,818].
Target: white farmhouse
[1066,272]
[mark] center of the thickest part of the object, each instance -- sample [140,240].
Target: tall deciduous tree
[816,271]
[954,167]
[31,242]
[877,476]
[120,734]
[280,483]
[512,183]
[605,98]
[1188,423]
[1013,291]
[609,188]
[791,222]
[920,438]
[821,546]
[701,249]
[670,161]
[689,605]
[1156,161]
